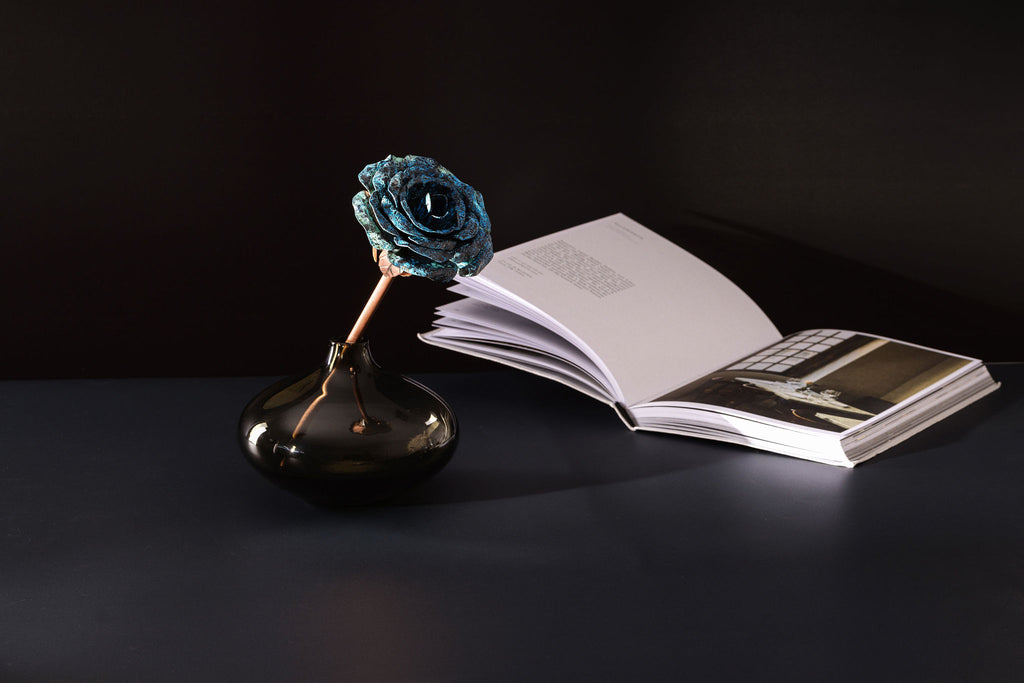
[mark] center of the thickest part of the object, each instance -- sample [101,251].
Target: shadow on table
[551,439]
[961,425]
[587,446]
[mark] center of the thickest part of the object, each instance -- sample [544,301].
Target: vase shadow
[545,439]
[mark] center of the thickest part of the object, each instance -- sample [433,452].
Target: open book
[623,315]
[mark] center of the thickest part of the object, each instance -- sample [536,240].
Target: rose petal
[438,255]
[384,170]
[377,239]
[440,272]
[476,206]
[419,164]
[395,235]
[380,216]
[469,230]
[363,213]
[467,251]
[476,264]
[460,211]
[366,175]
[401,223]
[412,194]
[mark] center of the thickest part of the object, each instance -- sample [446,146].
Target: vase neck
[354,353]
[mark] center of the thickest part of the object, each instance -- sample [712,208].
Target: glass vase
[348,433]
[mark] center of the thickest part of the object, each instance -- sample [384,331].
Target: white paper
[652,314]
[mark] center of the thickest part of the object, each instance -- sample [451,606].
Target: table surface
[138,544]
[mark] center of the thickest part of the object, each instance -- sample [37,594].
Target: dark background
[175,180]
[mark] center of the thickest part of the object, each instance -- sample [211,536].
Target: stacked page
[623,315]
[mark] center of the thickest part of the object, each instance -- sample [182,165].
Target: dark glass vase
[348,433]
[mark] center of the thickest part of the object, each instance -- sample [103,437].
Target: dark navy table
[137,544]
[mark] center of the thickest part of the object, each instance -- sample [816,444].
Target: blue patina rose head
[427,221]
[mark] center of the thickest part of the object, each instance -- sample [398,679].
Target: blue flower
[429,222]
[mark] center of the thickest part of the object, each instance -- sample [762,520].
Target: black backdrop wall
[175,182]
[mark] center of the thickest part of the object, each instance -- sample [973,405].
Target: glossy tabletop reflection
[138,544]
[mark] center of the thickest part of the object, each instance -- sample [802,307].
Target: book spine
[625,415]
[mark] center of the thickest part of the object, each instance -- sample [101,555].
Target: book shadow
[595,449]
[553,439]
[957,427]
[548,438]
[474,485]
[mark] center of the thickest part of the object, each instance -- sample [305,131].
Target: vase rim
[340,341]
[340,348]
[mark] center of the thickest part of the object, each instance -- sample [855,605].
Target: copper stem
[353,337]
[358,396]
[314,404]
[368,309]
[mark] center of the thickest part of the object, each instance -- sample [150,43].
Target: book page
[655,315]
[826,379]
